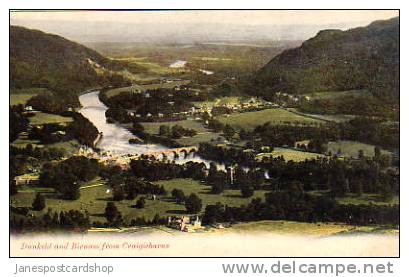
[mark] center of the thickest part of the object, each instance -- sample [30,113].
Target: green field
[366,199]
[351,148]
[336,94]
[292,227]
[199,138]
[21,96]
[290,154]
[339,118]
[203,135]
[325,117]
[32,91]
[363,199]
[16,99]
[135,87]
[153,127]
[71,146]
[44,118]
[22,143]
[150,67]
[249,120]
[228,197]
[95,195]
[94,200]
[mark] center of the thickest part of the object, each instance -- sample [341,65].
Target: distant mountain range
[182,33]
[335,60]
[47,60]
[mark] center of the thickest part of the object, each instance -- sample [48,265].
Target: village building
[185,223]
[27,180]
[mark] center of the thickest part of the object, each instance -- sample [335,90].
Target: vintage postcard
[204,133]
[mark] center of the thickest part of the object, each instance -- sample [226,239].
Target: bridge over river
[173,152]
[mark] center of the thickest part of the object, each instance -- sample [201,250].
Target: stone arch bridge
[180,152]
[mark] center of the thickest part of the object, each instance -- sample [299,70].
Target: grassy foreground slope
[96,194]
[303,228]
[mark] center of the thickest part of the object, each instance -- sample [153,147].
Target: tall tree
[112,214]
[193,204]
[39,202]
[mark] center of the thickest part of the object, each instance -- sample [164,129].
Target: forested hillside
[38,59]
[335,60]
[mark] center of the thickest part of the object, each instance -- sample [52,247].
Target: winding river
[115,137]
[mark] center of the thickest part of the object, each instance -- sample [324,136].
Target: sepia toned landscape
[196,127]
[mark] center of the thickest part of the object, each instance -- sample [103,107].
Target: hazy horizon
[192,26]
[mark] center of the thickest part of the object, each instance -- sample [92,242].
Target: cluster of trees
[235,178]
[227,155]
[294,204]
[217,179]
[138,130]
[248,181]
[148,105]
[140,203]
[280,135]
[67,176]
[193,204]
[154,170]
[114,217]
[82,130]
[175,131]
[119,115]
[38,202]
[28,158]
[213,123]
[52,103]
[112,214]
[48,133]
[362,105]
[67,220]
[127,186]
[366,175]
[39,153]
[371,130]
[156,139]
[217,126]
[178,195]
[363,129]
[17,123]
